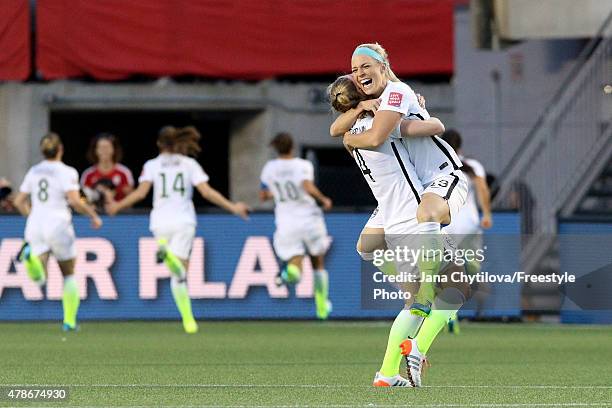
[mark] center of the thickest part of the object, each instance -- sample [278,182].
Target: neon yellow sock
[181,299]
[429,261]
[388,268]
[405,325]
[321,287]
[172,261]
[445,306]
[70,301]
[35,269]
[293,273]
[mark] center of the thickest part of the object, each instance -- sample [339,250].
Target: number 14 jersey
[173,177]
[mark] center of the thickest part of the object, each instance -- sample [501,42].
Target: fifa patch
[395,99]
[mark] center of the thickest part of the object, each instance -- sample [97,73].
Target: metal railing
[565,151]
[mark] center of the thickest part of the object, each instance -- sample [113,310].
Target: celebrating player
[300,226]
[51,186]
[173,174]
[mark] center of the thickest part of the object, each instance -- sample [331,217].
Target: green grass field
[302,364]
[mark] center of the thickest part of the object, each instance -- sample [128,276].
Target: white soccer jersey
[390,175]
[431,156]
[468,219]
[284,179]
[47,184]
[173,177]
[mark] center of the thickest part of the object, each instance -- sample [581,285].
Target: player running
[300,226]
[51,187]
[173,174]
[467,227]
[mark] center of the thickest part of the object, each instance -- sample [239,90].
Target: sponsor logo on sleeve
[395,99]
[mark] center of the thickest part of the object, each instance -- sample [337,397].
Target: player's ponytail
[343,94]
[187,141]
[50,145]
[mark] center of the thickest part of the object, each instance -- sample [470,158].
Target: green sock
[388,268]
[293,273]
[430,260]
[321,286]
[70,301]
[181,298]
[445,306]
[405,325]
[172,261]
[35,269]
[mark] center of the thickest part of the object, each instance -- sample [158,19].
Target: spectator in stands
[6,195]
[107,177]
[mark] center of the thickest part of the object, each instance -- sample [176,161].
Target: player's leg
[32,251]
[317,243]
[174,250]
[440,201]
[70,295]
[289,247]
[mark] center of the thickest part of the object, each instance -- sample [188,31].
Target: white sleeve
[264,178]
[307,171]
[70,180]
[397,98]
[198,175]
[26,184]
[146,174]
[479,170]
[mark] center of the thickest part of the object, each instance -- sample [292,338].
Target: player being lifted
[173,174]
[51,186]
[300,226]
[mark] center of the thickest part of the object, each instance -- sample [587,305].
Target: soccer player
[300,226]
[468,225]
[173,174]
[51,186]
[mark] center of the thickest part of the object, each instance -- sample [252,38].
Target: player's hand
[111,208]
[421,100]
[486,222]
[96,222]
[241,210]
[370,105]
[327,203]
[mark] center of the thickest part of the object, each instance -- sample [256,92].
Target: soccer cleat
[190,326]
[420,309]
[24,252]
[288,275]
[415,361]
[68,328]
[453,326]
[395,381]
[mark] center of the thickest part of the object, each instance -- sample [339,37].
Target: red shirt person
[106,175]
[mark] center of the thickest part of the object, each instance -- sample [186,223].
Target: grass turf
[305,364]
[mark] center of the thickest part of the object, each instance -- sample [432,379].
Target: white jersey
[47,184]
[390,175]
[468,218]
[284,179]
[431,156]
[173,177]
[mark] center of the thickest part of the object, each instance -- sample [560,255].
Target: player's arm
[113,207]
[345,121]
[483,194]
[264,193]
[22,203]
[421,128]
[74,200]
[384,123]
[210,194]
[311,189]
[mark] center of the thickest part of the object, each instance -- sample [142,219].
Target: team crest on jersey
[395,99]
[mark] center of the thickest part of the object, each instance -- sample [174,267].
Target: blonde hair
[343,94]
[50,145]
[383,53]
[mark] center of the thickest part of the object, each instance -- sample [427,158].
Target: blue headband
[369,52]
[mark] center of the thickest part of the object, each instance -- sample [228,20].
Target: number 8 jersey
[173,177]
[284,178]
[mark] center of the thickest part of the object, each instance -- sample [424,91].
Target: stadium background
[242,71]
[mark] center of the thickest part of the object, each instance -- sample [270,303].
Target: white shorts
[375,220]
[451,187]
[306,238]
[179,237]
[57,237]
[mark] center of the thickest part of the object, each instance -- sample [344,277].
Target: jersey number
[290,189]
[43,194]
[440,183]
[177,185]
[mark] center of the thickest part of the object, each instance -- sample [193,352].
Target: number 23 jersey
[284,179]
[173,177]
